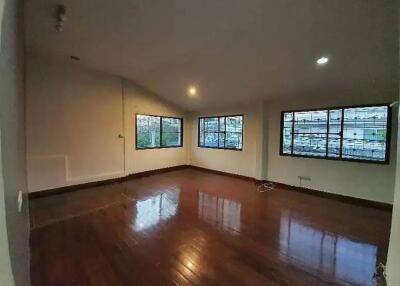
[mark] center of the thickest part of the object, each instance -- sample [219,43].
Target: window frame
[340,158]
[161,117]
[218,118]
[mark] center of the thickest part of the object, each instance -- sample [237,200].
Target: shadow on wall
[265,128]
[2,2]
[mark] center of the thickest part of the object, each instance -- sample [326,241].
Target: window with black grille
[154,132]
[221,132]
[360,133]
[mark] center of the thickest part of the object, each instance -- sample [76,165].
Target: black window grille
[154,132]
[221,132]
[360,133]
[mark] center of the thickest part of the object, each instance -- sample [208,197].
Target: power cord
[267,186]
[380,272]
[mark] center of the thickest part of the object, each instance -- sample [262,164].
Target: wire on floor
[265,187]
[380,272]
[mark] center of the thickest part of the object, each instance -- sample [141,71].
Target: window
[158,132]
[349,133]
[221,132]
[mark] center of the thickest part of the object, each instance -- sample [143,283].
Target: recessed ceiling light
[322,60]
[192,91]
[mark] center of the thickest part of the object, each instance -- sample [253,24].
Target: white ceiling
[233,50]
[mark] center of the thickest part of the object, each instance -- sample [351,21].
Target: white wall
[14,239]
[393,263]
[6,276]
[74,117]
[246,162]
[138,101]
[361,180]
[260,156]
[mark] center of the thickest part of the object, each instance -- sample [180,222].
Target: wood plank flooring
[191,227]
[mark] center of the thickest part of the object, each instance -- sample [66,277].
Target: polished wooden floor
[191,227]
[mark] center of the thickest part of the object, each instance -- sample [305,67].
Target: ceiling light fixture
[322,60]
[192,91]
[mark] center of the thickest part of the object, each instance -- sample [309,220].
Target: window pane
[357,133]
[211,139]
[307,122]
[310,133]
[223,132]
[210,132]
[335,121]
[201,132]
[287,132]
[147,131]
[309,144]
[171,132]
[171,124]
[234,129]
[211,124]
[233,140]
[171,139]
[222,124]
[365,132]
[221,140]
[234,124]
[335,130]
[334,146]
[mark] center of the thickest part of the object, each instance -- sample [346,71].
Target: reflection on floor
[150,211]
[190,227]
[223,213]
[319,251]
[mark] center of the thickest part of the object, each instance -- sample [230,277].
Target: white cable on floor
[267,186]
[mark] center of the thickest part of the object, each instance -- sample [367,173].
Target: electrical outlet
[304,178]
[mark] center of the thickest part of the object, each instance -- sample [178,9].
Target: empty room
[194,142]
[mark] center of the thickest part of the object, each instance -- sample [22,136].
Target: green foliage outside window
[158,132]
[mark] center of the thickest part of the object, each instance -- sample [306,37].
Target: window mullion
[341,135]
[201,123]
[225,132]
[204,132]
[327,133]
[161,144]
[218,130]
[181,135]
[293,119]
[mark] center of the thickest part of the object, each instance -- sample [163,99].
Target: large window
[158,132]
[221,132]
[349,133]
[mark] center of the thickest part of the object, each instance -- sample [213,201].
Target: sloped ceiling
[232,50]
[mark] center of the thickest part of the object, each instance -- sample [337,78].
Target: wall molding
[77,187]
[336,197]
[307,191]
[226,174]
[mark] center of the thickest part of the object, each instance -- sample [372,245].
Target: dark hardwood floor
[190,227]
